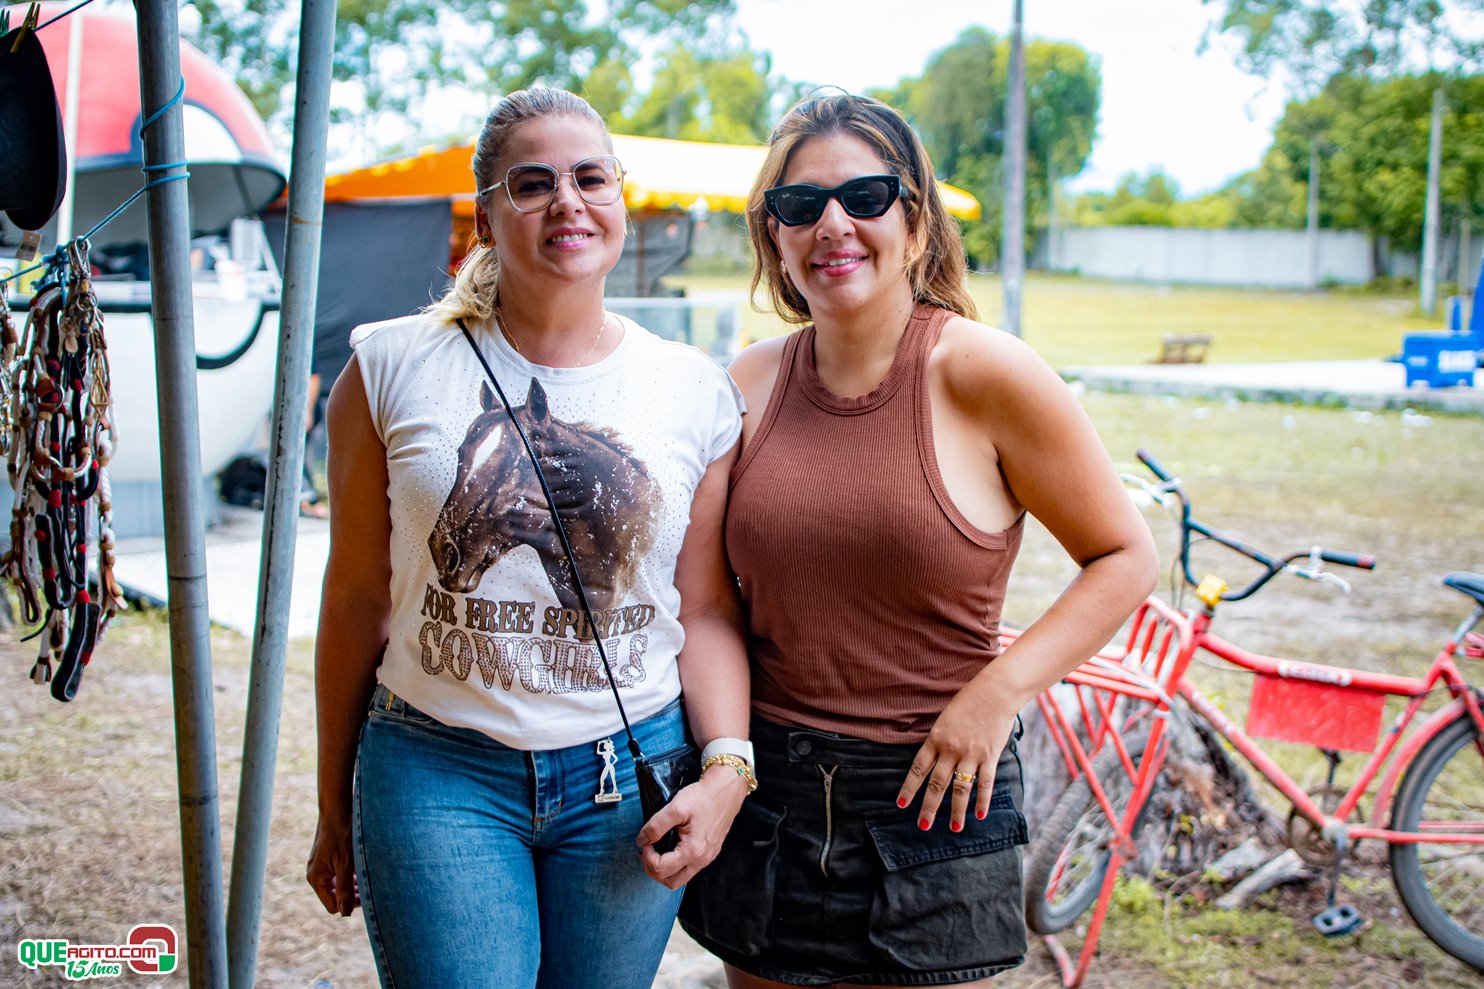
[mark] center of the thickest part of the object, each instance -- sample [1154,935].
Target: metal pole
[185,524]
[1053,249]
[1428,281]
[1465,286]
[1311,232]
[1012,232]
[285,468]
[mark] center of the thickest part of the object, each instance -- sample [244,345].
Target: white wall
[1277,258]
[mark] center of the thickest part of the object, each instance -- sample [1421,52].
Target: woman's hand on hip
[958,759]
[703,813]
[332,870]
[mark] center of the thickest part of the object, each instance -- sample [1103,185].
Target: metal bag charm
[609,777]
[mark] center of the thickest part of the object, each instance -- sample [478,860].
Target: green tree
[1272,195]
[1374,139]
[255,42]
[1139,200]
[958,106]
[1335,52]
[392,56]
[609,87]
[737,95]
[959,103]
[723,97]
[1316,40]
[1213,211]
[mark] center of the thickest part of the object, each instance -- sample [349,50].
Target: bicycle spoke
[1458,910]
[1442,883]
[1473,895]
[1078,860]
[1066,866]
[1467,811]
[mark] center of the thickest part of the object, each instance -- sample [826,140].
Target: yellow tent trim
[660,173]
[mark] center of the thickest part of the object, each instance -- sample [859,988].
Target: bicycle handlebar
[1147,459]
[1272,566]
[1361,561]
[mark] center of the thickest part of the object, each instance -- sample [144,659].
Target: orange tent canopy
[658,173]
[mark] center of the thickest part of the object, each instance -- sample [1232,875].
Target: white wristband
[730,746]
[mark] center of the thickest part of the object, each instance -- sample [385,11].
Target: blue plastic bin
[1439,360]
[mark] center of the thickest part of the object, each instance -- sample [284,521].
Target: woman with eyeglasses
[477,794]
[891,451]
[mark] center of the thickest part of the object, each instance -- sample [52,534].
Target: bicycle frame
[1119,687]
[1443,670]
[1150,669]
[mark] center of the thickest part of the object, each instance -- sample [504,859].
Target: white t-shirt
[486,631]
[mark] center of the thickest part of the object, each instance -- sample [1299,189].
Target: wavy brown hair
[935,264]
[475,290]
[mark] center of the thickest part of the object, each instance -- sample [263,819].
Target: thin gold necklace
[580,361]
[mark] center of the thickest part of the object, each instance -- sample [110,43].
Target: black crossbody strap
[556,519]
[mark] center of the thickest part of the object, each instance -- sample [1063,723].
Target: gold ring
[963,777]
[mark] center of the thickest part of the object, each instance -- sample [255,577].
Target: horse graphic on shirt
[607,500]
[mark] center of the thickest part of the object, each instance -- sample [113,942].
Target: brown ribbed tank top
[870,598]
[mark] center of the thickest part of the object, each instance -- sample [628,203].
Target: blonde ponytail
[475,290]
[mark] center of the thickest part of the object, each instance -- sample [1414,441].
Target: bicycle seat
[1471,584]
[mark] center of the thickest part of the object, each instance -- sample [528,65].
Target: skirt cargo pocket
[730,902]
[951,901]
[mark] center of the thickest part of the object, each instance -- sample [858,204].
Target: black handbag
[661,779]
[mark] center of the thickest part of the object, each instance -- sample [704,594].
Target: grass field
[1079,321]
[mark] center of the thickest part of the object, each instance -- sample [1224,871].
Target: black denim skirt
[823,879]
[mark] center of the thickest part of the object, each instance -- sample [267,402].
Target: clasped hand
[702,812]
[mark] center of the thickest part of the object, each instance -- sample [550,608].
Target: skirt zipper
[829,817]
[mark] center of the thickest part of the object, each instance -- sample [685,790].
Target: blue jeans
[485,866]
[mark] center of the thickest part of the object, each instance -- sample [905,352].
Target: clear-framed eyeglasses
[532,185]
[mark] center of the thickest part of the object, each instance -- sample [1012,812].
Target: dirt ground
[89,825]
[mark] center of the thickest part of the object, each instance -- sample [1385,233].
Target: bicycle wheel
[1442,885]
[1066,863]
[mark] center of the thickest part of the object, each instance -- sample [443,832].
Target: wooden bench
[1182,348]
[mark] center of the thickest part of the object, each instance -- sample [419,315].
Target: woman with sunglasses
[891,451]
[477,793]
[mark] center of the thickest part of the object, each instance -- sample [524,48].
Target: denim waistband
[383,700]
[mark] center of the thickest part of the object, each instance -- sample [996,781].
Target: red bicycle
[1111,722]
